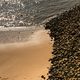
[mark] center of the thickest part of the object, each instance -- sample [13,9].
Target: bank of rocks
[65,29]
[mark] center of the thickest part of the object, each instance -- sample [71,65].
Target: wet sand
[26,60]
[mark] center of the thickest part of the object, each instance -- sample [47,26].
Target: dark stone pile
[65,29]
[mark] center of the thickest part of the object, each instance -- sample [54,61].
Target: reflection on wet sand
[27,60]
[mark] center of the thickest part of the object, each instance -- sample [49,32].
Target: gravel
[65,61]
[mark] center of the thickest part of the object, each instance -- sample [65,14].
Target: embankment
[65,29]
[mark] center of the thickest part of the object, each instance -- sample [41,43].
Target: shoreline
[18,34]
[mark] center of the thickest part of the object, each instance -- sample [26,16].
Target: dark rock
[65,29]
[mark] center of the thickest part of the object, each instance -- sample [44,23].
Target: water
[50,8]
[28,13]
[44,9]
[31,12]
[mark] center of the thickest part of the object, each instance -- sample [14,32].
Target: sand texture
[27,60]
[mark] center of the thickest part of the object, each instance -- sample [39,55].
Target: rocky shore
[65,29]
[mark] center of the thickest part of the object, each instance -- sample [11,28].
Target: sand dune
[26,60]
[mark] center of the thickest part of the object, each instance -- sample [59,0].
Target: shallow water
[44,9]
[26,60]
[33,11]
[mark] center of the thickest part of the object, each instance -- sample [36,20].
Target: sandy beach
[26,60]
